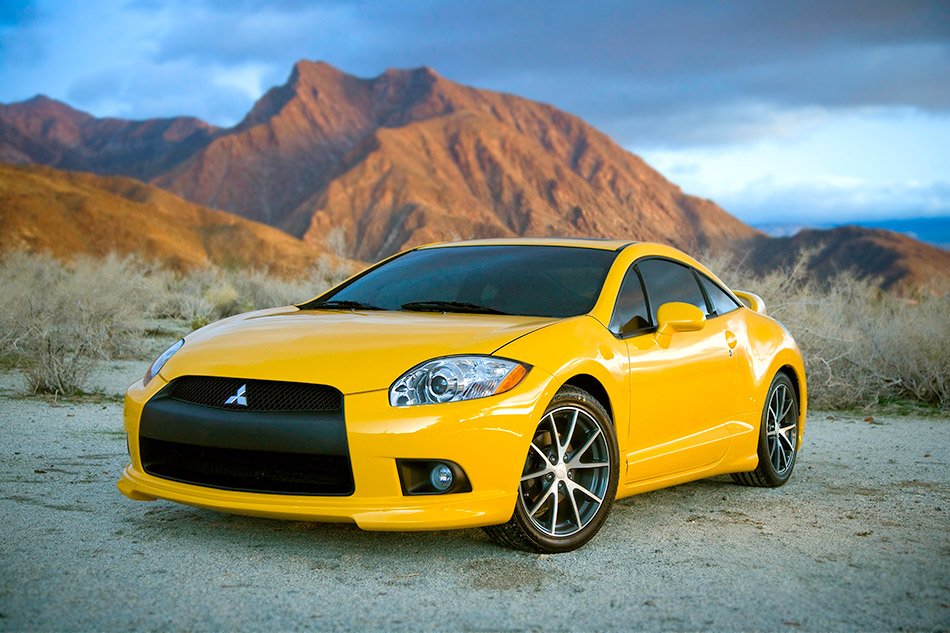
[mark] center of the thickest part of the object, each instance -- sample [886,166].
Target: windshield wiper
[449,306]
[343,304]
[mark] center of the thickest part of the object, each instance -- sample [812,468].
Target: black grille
[260,395]
[248,470]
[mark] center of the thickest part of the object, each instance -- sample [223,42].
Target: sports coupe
[520,385]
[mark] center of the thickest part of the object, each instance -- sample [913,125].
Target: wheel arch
[595,388]
[791,365]
[789,371]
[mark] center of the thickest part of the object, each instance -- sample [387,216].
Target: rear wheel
[778,437]
[569,479]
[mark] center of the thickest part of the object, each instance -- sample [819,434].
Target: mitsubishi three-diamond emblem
[238,398]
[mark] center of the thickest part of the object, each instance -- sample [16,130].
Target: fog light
[431,477]
[441,477]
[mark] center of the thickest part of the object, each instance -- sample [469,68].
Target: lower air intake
[248,470]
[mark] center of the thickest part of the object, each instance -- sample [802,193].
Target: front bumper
[487,437]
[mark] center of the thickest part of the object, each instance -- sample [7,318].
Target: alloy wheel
[567,472]
[781,429]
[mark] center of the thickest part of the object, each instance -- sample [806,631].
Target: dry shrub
[57,320]
[861,346]
[206,295]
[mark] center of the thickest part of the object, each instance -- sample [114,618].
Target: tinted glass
[631,308]
[547,281]
[719,298]
[666,282]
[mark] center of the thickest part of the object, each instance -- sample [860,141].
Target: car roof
[577,242]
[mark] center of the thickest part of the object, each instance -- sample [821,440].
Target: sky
[810,112]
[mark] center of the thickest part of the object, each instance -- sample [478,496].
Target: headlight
[161,360]
[456,378]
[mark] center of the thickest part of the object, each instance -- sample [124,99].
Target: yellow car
[521,385]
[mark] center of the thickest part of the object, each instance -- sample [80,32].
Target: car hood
[351,350]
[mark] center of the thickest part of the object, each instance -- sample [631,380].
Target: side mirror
[677,317]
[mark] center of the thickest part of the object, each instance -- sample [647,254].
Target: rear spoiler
[753,301]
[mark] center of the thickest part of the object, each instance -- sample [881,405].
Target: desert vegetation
[861,345]
[59,319]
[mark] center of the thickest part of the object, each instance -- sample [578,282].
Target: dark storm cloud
[614,63]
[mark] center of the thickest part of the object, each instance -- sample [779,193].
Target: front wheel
[569,479]
[778,437]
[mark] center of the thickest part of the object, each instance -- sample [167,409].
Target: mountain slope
[400,159]
[474,179]
[898,261]
[410,157]
[68,213]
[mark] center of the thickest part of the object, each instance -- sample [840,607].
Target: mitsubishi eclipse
[521,385]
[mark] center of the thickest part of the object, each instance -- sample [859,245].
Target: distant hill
[48,132]
[899,261]
[67,213]
[935,231]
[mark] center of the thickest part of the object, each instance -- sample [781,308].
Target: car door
[682,394]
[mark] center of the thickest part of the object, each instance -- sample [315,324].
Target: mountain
[68,213]
[932,230]
[410,157]
[397,160]
[47,132]
[406,158]
[897,260]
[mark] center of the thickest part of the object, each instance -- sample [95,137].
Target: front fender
[575,347]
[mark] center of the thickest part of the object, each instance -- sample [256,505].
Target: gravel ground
[859,540]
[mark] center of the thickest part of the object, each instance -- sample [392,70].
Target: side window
[631,308]
[718,297]
[667,281]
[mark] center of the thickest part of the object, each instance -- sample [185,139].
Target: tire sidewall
[765,463]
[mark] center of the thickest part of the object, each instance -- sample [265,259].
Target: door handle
[731,339]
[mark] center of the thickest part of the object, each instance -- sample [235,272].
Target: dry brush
[58,319]
[860,345]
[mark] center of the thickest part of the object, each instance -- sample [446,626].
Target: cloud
[732,124]
[819,200]
[822,164]
[652,43]
[171,89]
[685,72]
[267,34]
[634,68]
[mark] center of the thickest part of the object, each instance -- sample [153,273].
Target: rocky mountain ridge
[410,157]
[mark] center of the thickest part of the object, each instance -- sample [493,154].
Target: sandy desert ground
[859,540]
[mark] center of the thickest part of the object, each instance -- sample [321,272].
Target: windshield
[545,281]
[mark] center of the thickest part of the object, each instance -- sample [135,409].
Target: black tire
[778,437]
[567,489]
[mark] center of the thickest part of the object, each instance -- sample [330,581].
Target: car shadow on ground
[162,521]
